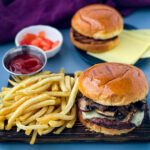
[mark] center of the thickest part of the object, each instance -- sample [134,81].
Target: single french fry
[63,103]
[1,125]
[72,81]
[58,94]
[71,123]
[77,74]
[45,131]
[30,127]
[8,115]
[7,103]
[72,97]
[54,116]
[12,82]
[5,89]
[59,130]
[33,137]
[40,105]
[68,82]
[18,129]
[55,87]
[35,91]
[28,132]
[54,123]
[62,70]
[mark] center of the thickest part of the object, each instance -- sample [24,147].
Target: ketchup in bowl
[24,64]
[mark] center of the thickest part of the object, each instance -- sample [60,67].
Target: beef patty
[88,40]
[122,114]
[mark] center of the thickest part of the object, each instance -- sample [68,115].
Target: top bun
[113,84]
[97,21]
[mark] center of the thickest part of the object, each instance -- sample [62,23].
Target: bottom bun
[94,46]
[93,127]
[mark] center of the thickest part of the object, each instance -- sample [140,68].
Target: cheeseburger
[111,98]
[96,28]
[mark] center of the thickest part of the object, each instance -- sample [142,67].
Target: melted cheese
[137,118]
[132,46]
[93,114]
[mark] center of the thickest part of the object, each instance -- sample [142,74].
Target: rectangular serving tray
[79,134]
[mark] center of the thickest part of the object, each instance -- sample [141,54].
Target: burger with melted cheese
[96,28]
[111,98]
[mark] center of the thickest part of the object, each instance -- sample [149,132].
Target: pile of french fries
[39,104]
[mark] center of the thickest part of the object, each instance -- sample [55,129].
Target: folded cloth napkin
[134,44]
[17,14]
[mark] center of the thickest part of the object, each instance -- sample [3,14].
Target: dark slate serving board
[79,134]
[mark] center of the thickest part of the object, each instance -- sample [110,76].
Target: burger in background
[96,28]
[111,98]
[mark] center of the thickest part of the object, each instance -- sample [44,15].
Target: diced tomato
[41,34]
[55,44]
[39,40]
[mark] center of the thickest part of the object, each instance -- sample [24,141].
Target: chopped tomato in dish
[39,40]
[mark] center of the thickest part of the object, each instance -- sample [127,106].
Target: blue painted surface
[69,59]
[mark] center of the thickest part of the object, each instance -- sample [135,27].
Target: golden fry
[27,115]
[35,91]
[28,132]
[72,97]
[50,109]
[21,109]
[77,74]
[55,124]
[30,127]
[55,87]
[54,116]
[63,103]
[62,70]
[33,137]
[68,82]
[12,82]
[36,115]
[45,131]
[59,130]
[40,105]
[59,94]
[1,125]
[72,80]
[7,110]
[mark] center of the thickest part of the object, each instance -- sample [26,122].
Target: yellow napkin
[132,46]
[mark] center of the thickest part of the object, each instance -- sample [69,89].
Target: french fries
[40,104]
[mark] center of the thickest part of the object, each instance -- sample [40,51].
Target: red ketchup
[24,64]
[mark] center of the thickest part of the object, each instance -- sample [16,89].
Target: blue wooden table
[70,60]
